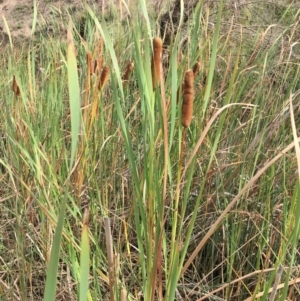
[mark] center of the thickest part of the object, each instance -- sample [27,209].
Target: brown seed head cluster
[188,98]
[156,62]
[15,87]
[103,78]
[98,65]
[196,68]
[98,62]
[128,70]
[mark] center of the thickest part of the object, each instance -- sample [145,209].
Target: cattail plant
[128,70]
[196,68]
[186,118]
[99,54]
[187,108]
[15,87]
[156,67]
[188,98]
[99,86]
[103,78]
[98,65]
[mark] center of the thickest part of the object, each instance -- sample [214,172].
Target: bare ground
[17,15]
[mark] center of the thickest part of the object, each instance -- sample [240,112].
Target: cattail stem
[181,162]
[100,47]
[16,90]
[177,217]
[123,295]
[110,257]
[88,80]
[186,116]
[84,102]
[89,63]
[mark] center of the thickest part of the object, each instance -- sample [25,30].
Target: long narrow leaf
[74,94]
[84,259]
[50,288]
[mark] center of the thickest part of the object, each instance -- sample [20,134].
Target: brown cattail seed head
[156,62]
[15,87]
[129,68]
[99,65]
[99,54]
[196,68]
[188,98]
[103,78]
[89,63]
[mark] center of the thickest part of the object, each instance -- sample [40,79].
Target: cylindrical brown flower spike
[99,64]
[188,98]
[15,87]
[129,68]
[99,57]
[156,62]
[196,68]
[103,78]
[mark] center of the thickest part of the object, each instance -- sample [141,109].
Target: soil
[18,15]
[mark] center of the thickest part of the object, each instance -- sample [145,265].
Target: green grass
[103,195]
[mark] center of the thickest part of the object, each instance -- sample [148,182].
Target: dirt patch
[19,14]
